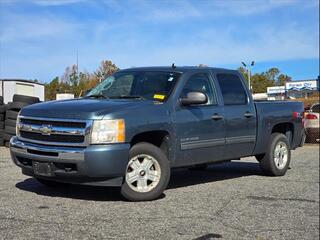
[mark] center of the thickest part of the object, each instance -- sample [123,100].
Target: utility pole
[248,68]
[77,64]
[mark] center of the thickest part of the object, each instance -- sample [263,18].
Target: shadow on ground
[179,178]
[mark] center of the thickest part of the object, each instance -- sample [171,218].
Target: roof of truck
[176,68]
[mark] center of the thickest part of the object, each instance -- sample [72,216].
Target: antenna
[173,66]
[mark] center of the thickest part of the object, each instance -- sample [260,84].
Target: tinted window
[232,90]
[200,82]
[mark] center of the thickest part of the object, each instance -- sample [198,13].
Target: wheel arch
[159,138]
[286,128]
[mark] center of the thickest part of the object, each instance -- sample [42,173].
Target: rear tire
[147,174]
[276,160]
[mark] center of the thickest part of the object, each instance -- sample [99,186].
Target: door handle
[248,114]
[216,116]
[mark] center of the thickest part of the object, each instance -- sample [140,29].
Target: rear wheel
[147,174]
[276,160]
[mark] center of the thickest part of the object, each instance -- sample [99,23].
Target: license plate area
[42,169]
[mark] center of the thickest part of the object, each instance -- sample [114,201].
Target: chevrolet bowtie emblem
[45,129]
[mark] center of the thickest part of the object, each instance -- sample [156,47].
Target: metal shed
[9,87]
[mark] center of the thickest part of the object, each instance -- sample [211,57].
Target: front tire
[147,174]
[276,160]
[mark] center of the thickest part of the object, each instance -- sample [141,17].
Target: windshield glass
[137,84]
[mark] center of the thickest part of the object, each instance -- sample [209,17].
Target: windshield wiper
[128,96]
[96,96]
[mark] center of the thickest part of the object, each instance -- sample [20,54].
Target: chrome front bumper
[91,164]
[45,153]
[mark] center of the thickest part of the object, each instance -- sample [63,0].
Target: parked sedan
[312,123]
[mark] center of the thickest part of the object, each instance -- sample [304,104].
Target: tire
[1,141]
[269,164]
[1,100]
[2,109]
[16,105]
[10,130]
[1,125]
[7,137]
[2,117]
[49,183]
[199,167]
[158,160]
[25,99]
[10,122]
[10,114]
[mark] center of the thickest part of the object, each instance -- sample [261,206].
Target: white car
[312,123]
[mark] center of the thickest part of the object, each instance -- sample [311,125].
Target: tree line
[79,83]
[261,81]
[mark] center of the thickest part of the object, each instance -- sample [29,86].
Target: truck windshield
[149,85]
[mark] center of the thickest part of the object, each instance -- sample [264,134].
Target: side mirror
[194,98]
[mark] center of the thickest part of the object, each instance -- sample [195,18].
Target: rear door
[201,137]
[239,113]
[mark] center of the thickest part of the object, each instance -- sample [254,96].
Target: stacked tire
[11,114]
[2,119]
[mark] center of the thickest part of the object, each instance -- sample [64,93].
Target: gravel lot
[227,201]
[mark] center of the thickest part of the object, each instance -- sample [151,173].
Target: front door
[200,129]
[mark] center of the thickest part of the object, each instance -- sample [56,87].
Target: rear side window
[232,90]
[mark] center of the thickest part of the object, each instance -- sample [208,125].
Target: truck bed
[271,113]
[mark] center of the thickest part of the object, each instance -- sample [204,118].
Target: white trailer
[9,87]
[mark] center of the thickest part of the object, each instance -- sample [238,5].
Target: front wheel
[276,160]
[147,174]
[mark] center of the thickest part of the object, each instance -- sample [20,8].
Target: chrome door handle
[216,116]
[248,114]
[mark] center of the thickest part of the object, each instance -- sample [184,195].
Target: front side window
[232,89]
[149,85]
[200,82]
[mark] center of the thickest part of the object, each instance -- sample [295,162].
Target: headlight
[108,131]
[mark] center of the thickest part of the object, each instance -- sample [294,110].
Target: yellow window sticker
[159,96]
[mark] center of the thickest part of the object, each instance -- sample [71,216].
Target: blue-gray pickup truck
[138,124]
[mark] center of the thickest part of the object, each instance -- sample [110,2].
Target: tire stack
[2,119]
[11,114]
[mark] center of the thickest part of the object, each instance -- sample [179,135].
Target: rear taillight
[311,116]
[295,115]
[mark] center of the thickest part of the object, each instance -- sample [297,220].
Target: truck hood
[81,108]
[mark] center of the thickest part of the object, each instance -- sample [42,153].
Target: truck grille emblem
[45,129]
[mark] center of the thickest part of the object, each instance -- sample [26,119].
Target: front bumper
[102,165]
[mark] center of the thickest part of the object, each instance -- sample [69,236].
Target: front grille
[53,137]
[53,123]
[51,131]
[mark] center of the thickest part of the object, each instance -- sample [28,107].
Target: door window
[200,82]
[232,89]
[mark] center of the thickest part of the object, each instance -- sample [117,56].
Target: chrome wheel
[143,173]
[280,155]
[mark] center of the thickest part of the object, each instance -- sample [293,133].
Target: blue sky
[40,38]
